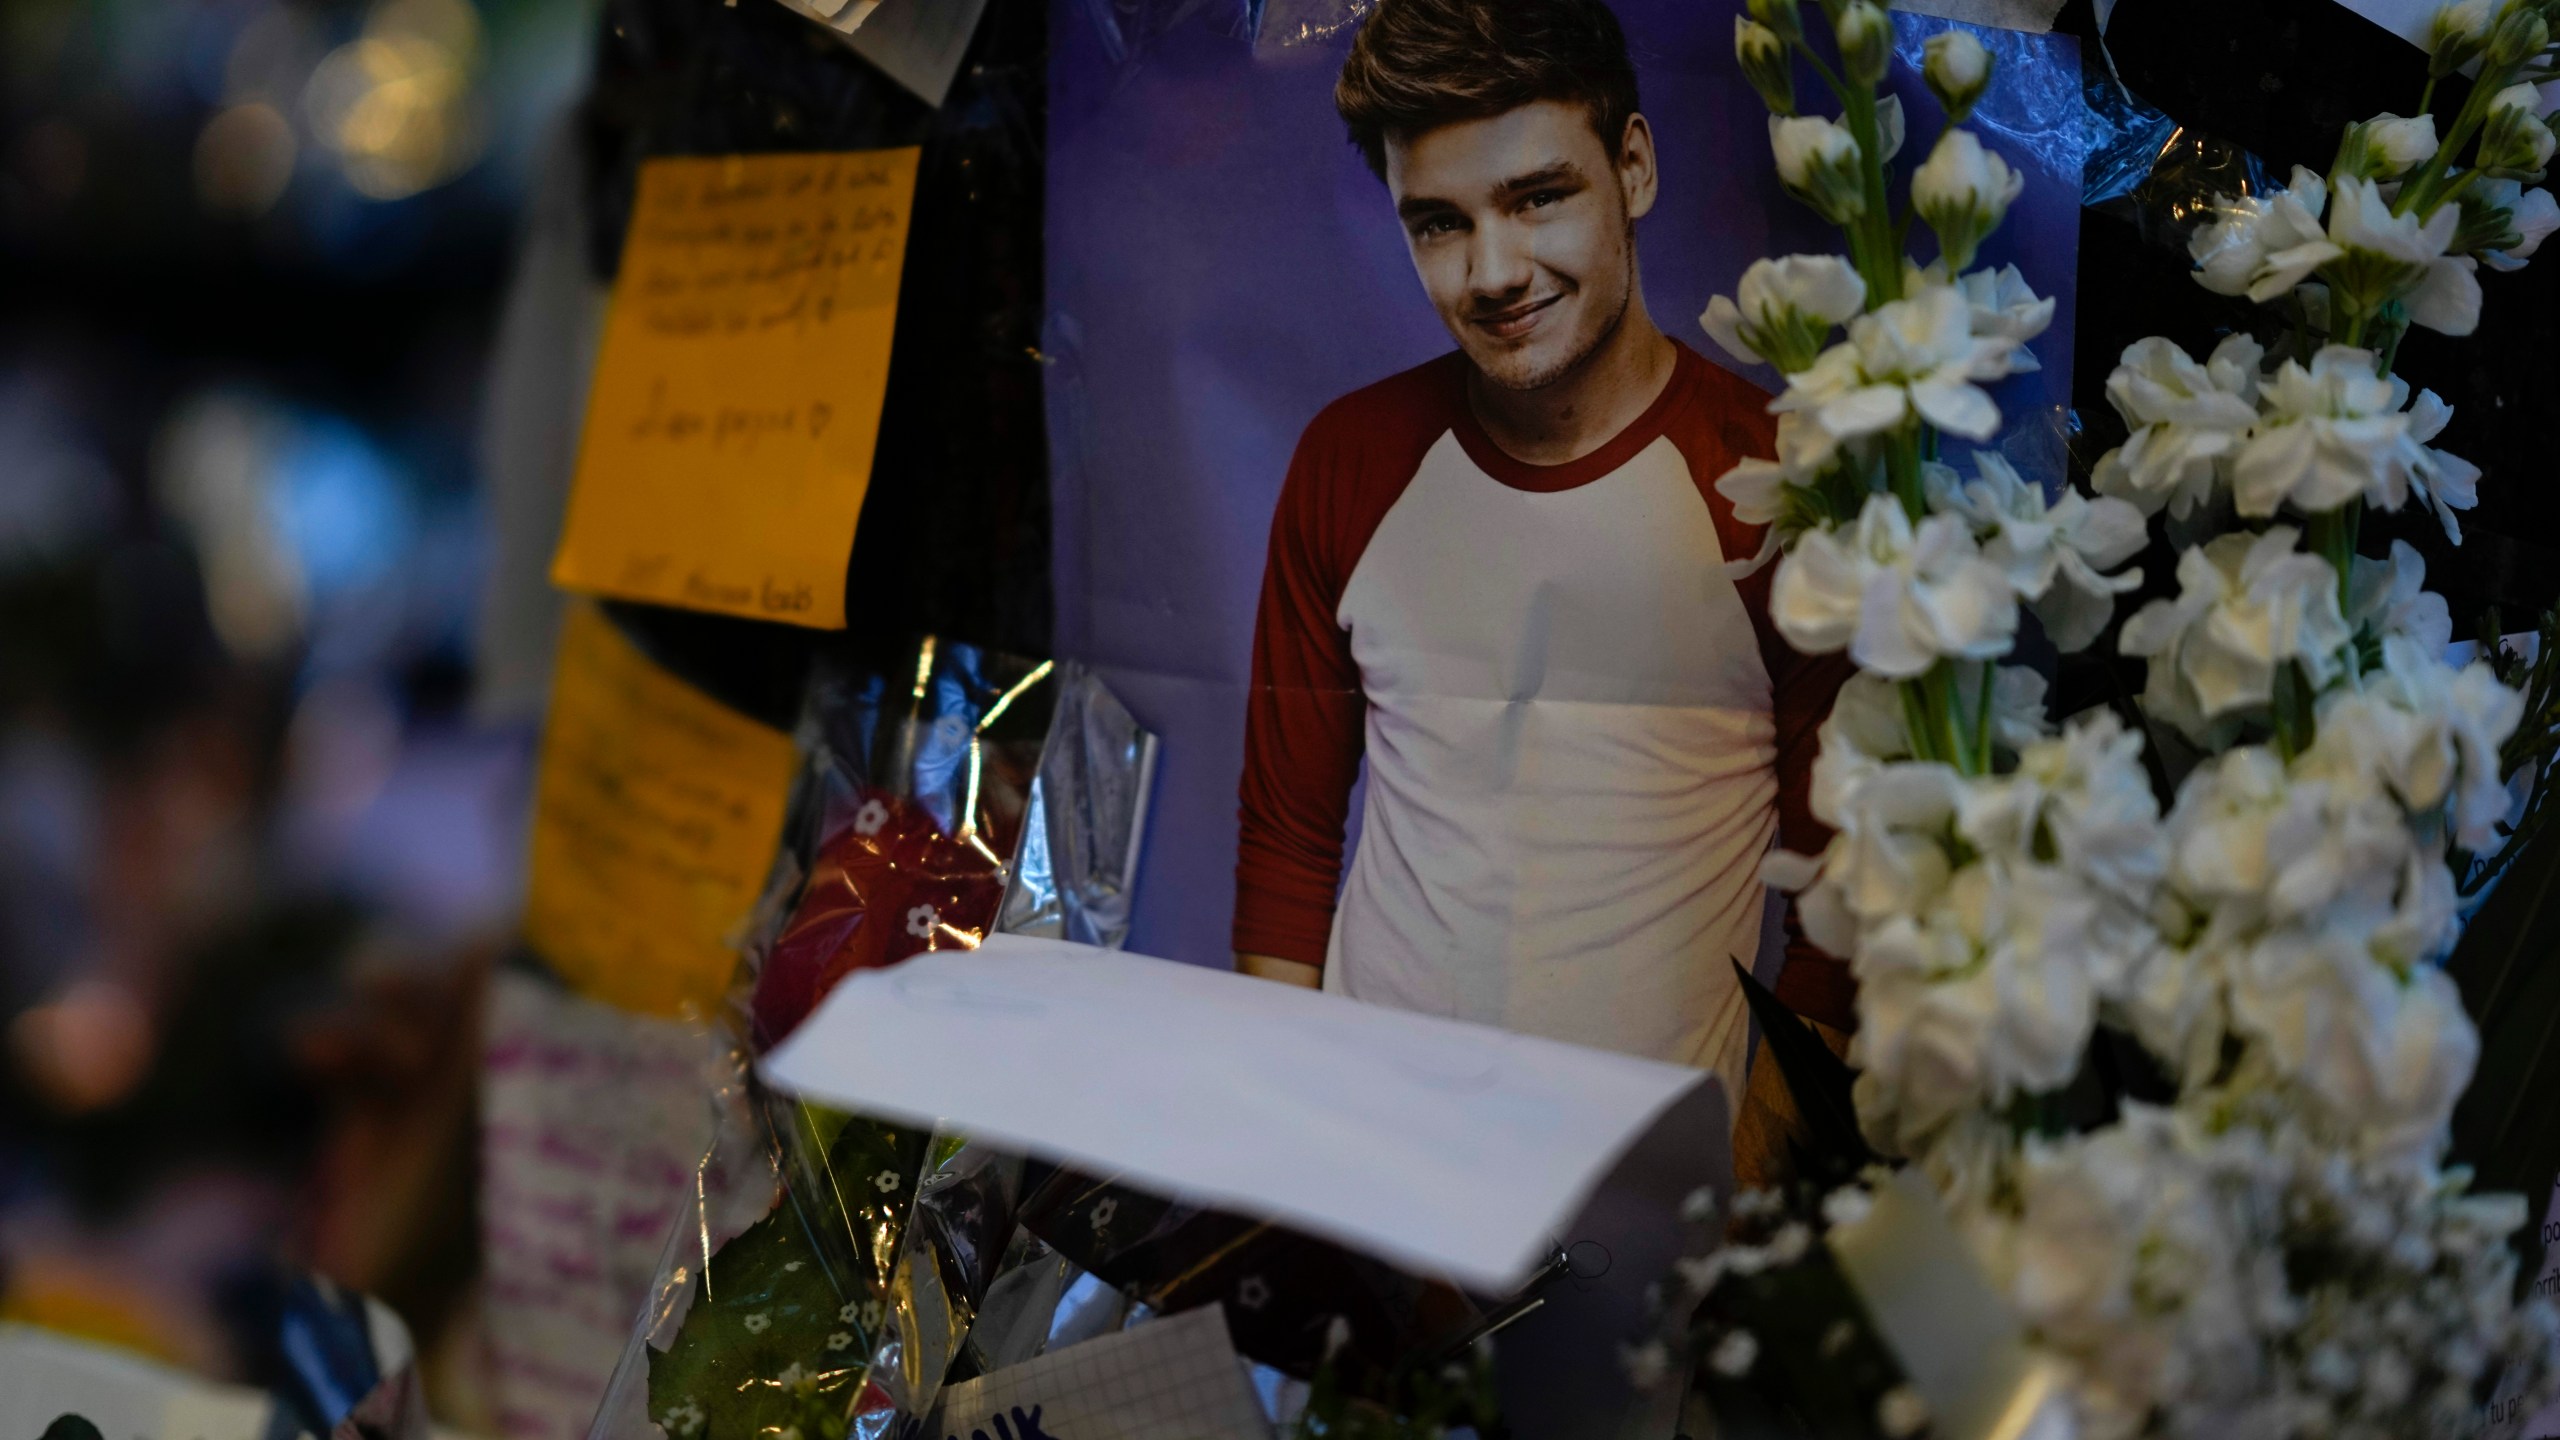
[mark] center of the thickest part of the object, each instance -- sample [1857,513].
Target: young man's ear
[1638,174]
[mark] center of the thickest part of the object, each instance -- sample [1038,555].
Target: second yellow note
[736,403]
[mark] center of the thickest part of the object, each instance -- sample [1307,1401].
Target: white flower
[2531,216]
[2456,32]
[1865,40]
[757,1323]
[1964,192]
[2265,244]
[1103,1211]
[2446,481]
[2080,799]
[2430,732]
[869,819]
[2389,146]
[2005,309]
[1981,995]
[1917,356]
[1887,857]
[1786,310]
[848,1313]
[2387,598]
[1957,70]
[2387,1052]
[2401,257]
[2052,555]
[885,1181]
[872,1314]
[683,1419]
[1253,1292]
[1863,733]
[840,1340]
[2186,419]
[1762,54]
[1735,1354]
[2515,137]
[921,921]
[2247,604]
[1818,163]
[2331,433]
[1897,598]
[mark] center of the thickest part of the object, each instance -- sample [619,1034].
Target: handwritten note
[655,818]
[576,1196]
[736,405]
[1172,1379]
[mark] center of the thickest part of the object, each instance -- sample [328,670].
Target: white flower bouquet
[2154,1001]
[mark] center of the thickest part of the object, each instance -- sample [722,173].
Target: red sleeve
[1732,422]
[1305,712]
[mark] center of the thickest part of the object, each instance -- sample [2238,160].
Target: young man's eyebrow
[1561,172]
[1416,207]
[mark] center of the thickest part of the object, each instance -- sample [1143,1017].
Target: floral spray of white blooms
[2268,1244]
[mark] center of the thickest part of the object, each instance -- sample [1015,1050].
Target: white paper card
[1426,1141]
[918,43]
[1172,1379]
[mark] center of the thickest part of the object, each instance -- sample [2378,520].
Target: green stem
[2331,535]
[2427,97]
[1982,721]
[1902,471]
[1878,259]
[2414,190]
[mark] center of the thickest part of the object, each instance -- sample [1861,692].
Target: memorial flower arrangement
[2152,999]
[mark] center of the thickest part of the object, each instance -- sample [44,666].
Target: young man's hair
[1423,63]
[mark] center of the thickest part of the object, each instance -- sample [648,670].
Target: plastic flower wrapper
[829,1276]
[914,800]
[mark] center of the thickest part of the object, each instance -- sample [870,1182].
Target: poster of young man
[1385,446]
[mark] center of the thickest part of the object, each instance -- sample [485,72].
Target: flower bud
[1785,310]
[1766,64]
[2456,36]
[1781,16]
[2514,138]
[2519,35]
[1865,33]
[1819,164]
[1958,69]
[1963,191]
[2385,147]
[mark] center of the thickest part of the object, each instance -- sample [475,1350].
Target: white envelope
[1432,1143]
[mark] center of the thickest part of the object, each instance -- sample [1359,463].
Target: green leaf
[1819,1082]
[2508,967]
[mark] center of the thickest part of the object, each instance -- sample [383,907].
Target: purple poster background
[1221,265]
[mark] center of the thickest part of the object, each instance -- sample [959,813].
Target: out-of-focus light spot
[340,507]
[244,159]
[59,496]
[272,58]
[211,471]
[53,157]
[86,1048]
[396,103]
[341,747]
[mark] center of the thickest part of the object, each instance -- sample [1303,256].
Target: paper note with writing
[655,817]
[576,1197]
[1426,1141]
[736,406]
[1172,1379]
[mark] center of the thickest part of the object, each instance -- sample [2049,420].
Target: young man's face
[1523,230]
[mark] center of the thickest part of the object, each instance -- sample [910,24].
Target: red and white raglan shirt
[1582,732]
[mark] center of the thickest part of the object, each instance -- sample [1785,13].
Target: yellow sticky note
[655,818]
[736,403]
